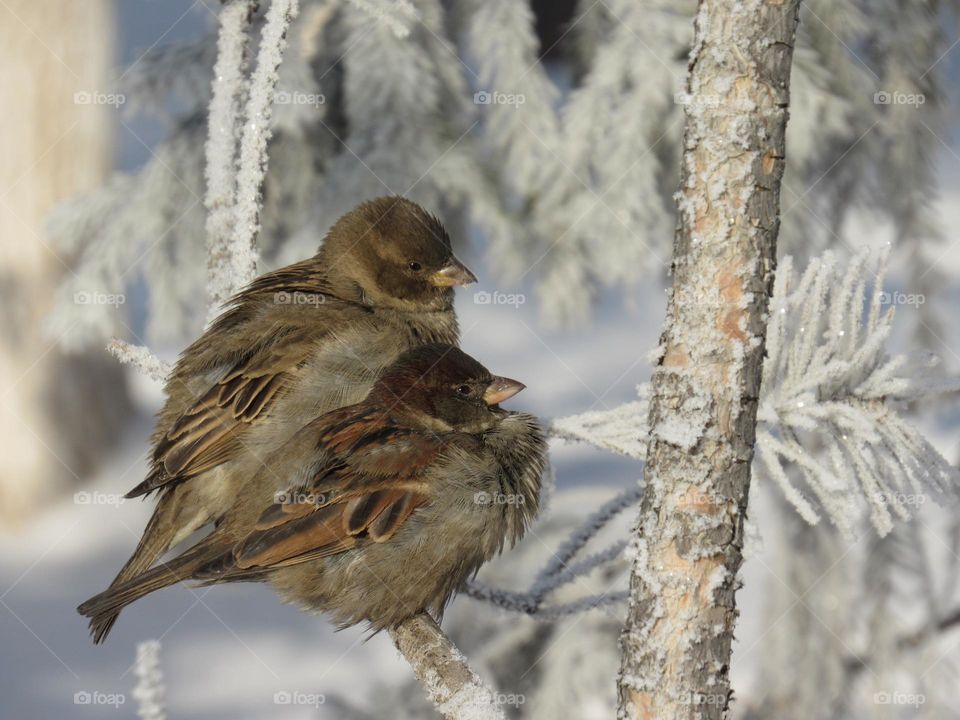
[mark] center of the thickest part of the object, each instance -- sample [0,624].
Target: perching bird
[379,510]
[297,342]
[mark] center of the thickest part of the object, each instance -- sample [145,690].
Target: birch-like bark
[450,683]
[689,538]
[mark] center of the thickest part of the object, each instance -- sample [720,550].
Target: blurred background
[547,136]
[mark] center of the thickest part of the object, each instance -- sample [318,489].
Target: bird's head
[441,387]
[393,253]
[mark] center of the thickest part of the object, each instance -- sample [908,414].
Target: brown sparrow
[381,509]
[297,342]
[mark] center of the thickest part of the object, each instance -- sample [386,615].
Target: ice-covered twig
[622,430]
[141,357]
[506,599]
[527,604]
[450,683]
[561,570]
[149,690]
[253,143]
[545,581]
[223,133]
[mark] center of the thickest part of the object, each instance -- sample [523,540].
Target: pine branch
[621,430]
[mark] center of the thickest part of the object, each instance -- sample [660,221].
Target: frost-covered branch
[395,14]
[149,690]
[562,569]
[224,126]
[621,430]
[253,143]
[451,684]
[828,413]
[141,357]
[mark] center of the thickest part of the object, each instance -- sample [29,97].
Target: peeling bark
[688,543]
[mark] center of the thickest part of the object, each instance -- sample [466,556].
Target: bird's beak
[454,273]
[500,389]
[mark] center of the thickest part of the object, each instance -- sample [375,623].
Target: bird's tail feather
[153,544]
[103,609]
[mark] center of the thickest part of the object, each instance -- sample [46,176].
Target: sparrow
[388,505]
[297,342]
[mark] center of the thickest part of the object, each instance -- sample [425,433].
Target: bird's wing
[370,485]
[208,432]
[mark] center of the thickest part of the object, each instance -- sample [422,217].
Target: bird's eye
[415,266]
[464,390]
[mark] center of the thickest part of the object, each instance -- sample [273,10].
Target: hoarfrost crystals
[827,414]
[253,144]
[149,690]
[141,357]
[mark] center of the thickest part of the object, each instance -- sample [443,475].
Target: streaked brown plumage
[386,506]
[299,341]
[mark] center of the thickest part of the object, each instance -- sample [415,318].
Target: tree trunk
[688,544]
[58,413]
